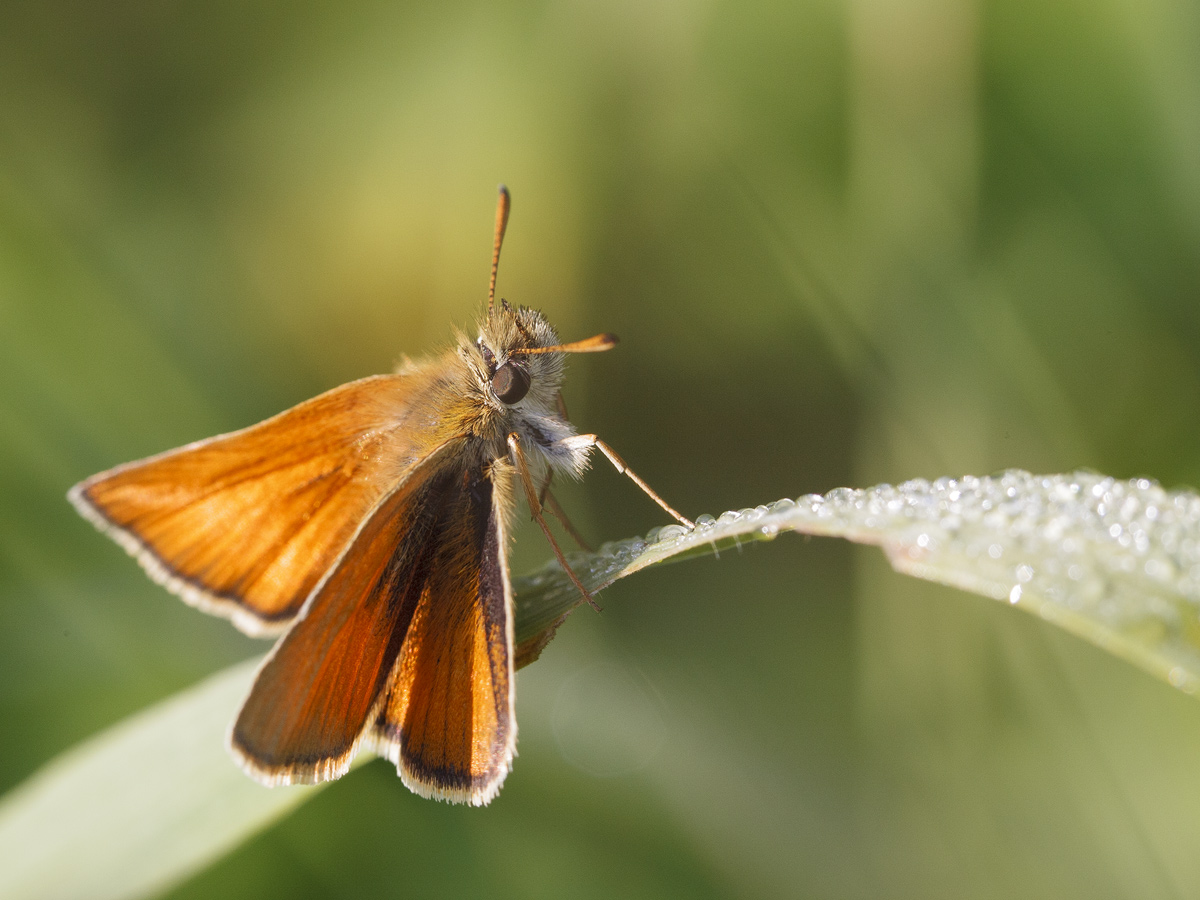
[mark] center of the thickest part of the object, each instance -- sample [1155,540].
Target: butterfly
[369,528]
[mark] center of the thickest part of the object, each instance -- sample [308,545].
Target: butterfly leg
[548,501]
[591,440]
[552,504]
[535,507]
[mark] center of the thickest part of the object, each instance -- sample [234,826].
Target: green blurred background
[843,241]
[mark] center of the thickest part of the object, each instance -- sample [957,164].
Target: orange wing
[447,719]
[418,607]
[245,524]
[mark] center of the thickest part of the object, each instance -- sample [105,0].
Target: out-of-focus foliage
[867,241]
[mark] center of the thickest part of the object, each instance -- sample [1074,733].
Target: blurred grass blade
[155,798]
[140,806]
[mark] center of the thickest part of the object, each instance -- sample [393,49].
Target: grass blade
[155,798]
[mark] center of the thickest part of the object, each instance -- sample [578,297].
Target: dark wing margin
[447,717]
[245,524]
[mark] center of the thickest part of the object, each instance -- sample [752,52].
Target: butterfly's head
[516,367]
[514,375]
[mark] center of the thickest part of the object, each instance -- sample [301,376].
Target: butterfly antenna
[502,206]
[597,344]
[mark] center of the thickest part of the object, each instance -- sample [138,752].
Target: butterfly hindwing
[245,524]
[315,694]
[407,644]
[447,718]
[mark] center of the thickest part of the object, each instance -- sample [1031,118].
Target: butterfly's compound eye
[510,383]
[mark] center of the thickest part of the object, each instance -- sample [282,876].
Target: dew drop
[671,532]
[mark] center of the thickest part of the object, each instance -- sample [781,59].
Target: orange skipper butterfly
[369,528]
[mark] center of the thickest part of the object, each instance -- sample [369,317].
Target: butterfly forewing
[246,524]
[447,717]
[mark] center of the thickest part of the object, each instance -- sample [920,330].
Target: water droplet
[1159,569]
[1014,596]
[671,533]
